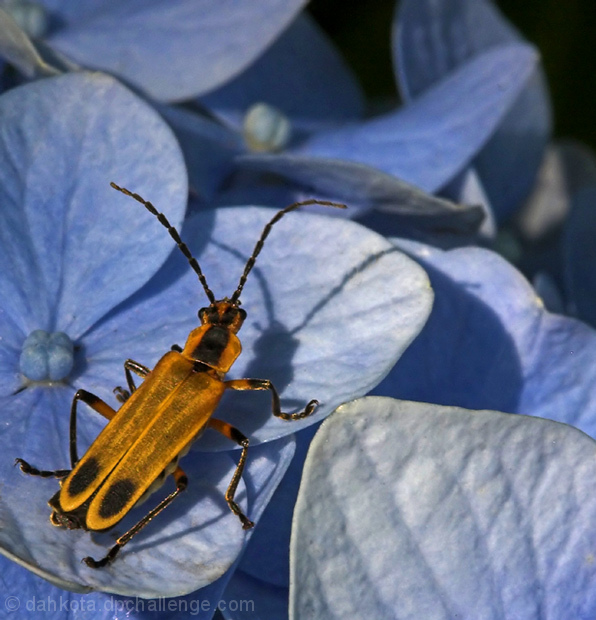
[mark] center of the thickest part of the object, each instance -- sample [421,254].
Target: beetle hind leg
[26,468]
[235,435]
[181,484]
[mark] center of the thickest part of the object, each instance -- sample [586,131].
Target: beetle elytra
[159,420]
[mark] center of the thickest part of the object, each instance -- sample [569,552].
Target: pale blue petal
[429,141]
[409,511]
[177,49]
[431,39]
[75,246]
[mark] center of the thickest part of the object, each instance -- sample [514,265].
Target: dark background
[563,30]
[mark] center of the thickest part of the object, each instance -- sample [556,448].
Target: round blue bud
[266,128]
[46,357]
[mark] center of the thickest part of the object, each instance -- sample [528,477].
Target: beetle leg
[43,473]
[181,484]
[97,405]
[123,395]
[235,435]
[265,384]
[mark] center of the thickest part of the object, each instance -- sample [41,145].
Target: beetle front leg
[123,395]
[235,435]
[265,384]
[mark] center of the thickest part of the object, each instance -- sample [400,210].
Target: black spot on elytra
[116,498]
[84,477]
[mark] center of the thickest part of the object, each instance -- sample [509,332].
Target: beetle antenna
[175,236]
[259,246]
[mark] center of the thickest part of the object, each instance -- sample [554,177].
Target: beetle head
[223,313]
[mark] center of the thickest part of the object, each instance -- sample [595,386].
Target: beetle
[159,420]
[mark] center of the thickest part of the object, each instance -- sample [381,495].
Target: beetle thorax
[214,343]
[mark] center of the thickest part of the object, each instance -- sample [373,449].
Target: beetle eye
[242,314]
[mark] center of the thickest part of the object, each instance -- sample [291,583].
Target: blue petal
[429,141]
[510,161]
[294,76]
[432,39]
[76,247]
[188,547]
[315,275]
[364,188]
[409,510]
[177,49]
[10,351]
[490,344]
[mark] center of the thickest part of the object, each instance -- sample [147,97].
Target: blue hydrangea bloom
[484,87]
[331,308]
[90,277]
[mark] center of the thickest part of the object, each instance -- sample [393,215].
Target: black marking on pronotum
[116,498]
[212,345]
[86,475]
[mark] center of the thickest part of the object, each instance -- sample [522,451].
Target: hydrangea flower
[90,267]
[477,93]
[331,308]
